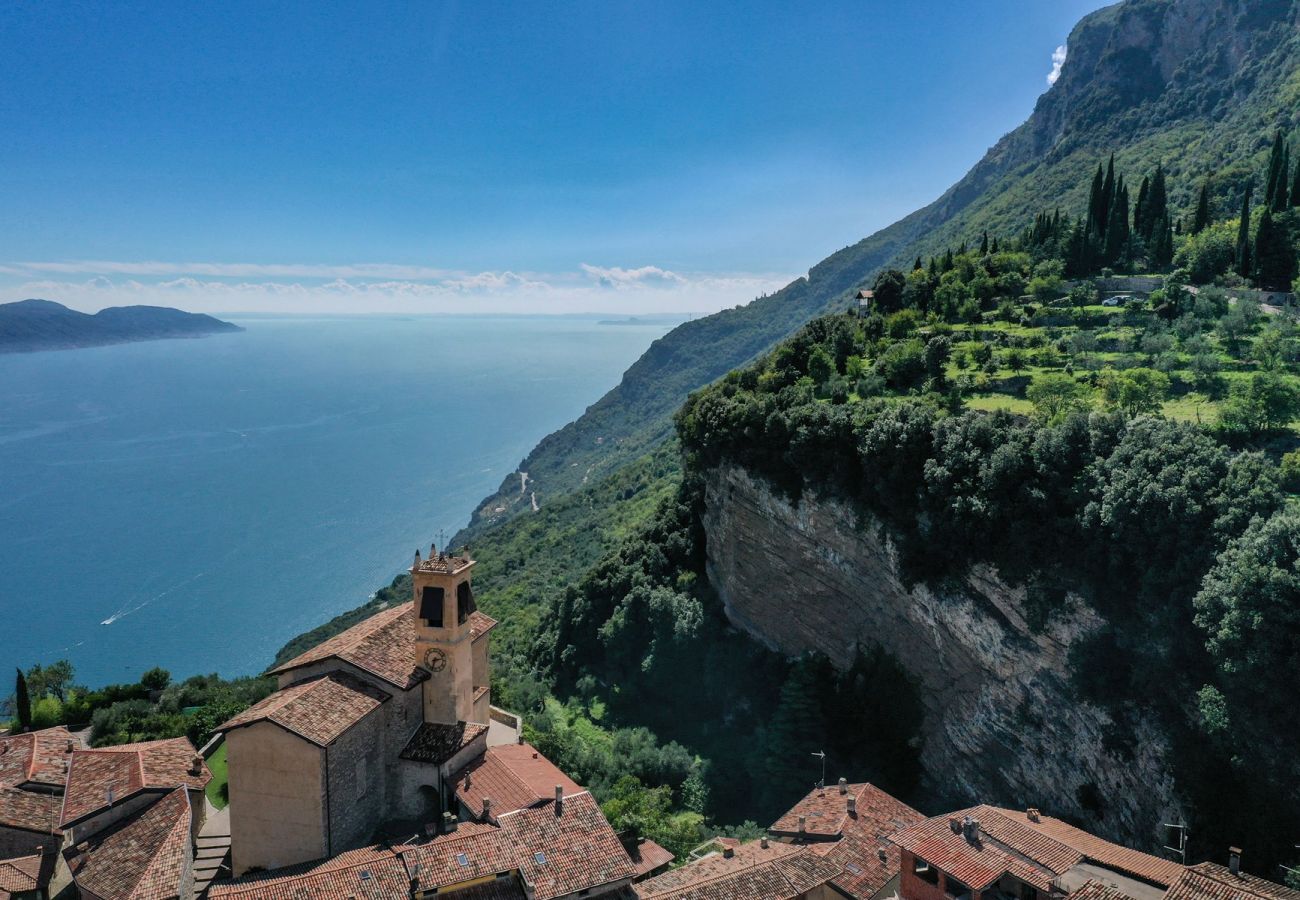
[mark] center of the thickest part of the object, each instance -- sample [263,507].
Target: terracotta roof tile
[436,743]
[1002,847]
[480,624]
[1141,865]
[862,871]
[383,645]
[826,814]
[39,757]
[776,872]
[513,776]
[370,873]
[319,710]
[29,810]
[126,770]
[648,856]
[1208,881]
[25,873]
[141,858]
[472,851]
[566,848]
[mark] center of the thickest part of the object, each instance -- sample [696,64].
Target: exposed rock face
[1001,725]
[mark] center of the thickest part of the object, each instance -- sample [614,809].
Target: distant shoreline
[34,326]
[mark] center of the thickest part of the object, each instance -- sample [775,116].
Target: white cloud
[232,270]
[615,277]
[1058,60]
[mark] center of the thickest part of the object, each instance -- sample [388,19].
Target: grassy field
[220,775]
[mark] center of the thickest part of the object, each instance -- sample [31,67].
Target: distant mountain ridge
[30,325]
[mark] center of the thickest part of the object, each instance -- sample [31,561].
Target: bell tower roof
[441,563]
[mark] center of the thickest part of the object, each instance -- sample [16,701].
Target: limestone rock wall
[1001,725]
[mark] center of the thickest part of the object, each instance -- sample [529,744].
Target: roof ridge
[730,873]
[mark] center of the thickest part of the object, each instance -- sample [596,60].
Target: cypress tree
[1274,261]
[1275,171]
[984,244]
[994,247]
[1201,220]
[947,260]
[795,731]
[1157,202]
[1107,197]
[1117,229]
[1282,193]
[23,702]
[963,249]
[1096,202]
[1162,253]
[1295,185]
[1140,208]
[1243,237]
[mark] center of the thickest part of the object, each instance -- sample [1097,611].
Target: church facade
[366,729]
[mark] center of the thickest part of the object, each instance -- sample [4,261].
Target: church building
[368,728]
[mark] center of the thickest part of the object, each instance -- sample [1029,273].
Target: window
[926,872]
[431,606]
[464,602]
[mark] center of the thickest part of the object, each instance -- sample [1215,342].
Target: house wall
[112,815]
[277,791]
[403,799]
[912,887]
[480,656]
[355,766]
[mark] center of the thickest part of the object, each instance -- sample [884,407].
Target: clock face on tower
[435,660]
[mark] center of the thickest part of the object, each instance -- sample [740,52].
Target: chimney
[559,799]
[853,805]
[469,780]
[196,765]
[1234,860]
[762,842]
[417,558]
[974,831]
[956,826]
[1032,814]
[803,825]
[882,855]
[448,823]
[72,745]
[433,550]
[487,808]
[844,785]
[728,852]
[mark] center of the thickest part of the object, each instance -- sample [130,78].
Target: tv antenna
[1181,849]
[822,754]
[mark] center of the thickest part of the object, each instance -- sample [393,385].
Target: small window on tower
[431,606]
[464,602]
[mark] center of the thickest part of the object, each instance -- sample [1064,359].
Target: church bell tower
[444,602]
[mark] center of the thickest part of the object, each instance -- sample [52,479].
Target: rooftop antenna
[1181,849]
[822,754]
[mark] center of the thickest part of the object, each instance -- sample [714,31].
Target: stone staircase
[212,853]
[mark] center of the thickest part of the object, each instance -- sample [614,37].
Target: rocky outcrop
[1001,724]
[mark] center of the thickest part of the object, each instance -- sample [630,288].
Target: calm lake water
[194,504]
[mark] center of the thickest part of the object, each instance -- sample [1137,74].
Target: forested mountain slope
[1199,85]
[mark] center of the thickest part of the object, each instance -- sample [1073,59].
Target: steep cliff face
[1001,724]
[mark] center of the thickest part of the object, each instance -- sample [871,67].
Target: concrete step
[212,839]
[211,853]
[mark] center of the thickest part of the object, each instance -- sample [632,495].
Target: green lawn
[991,402]
[220,775]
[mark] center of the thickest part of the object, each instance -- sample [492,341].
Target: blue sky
[486,156]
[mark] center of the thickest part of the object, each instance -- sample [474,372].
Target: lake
[196,503]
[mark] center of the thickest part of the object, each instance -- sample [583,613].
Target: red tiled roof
[1162,872]
[513,776]
[485,852]
[141,858]
[25,873]
[29,810]
[371,872]
[319,710]
[1208,881]
[862,872]
[480,624]
[436,743]
[648,856]
[826,815]
[566,847]
[38,756]
[776,872]
[383,645]
[126,770]
[1002,847]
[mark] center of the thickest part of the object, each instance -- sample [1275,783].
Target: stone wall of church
[404,714]
[277,813]
[355,778]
